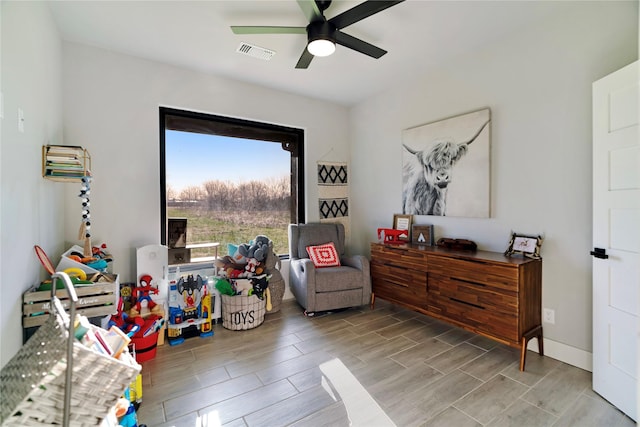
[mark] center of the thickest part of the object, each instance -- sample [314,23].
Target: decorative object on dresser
[457,244]
[483,292]
[528,246]
[390,236]
[403,223]
[422,234]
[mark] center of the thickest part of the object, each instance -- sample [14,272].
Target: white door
[616,238]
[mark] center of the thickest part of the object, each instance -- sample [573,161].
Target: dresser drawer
[398,284]
[400,257]
[476,318]
[474,294]
[496,275]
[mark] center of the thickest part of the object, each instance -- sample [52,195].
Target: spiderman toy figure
[143,293]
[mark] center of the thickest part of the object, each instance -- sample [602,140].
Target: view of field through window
[229,189]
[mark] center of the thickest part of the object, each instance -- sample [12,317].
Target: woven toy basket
[34,381]
[242,312]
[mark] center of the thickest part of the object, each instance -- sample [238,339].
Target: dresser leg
[373,300]
[533,333]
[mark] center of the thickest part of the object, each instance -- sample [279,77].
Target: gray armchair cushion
[320,289]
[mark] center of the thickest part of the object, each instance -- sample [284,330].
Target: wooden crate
[100,299]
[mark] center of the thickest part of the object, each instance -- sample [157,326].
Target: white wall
[538,85]
[32,208]
[111,107]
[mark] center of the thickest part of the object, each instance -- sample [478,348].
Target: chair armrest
[302,281]
[360,262]
[303,267]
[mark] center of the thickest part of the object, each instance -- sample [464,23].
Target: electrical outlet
[549,316]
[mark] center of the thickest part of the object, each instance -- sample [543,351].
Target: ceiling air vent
[255,51]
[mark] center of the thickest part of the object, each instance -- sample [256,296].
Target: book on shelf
[64,159]
[69,174]
[64,166]
[65,148]
[65,152]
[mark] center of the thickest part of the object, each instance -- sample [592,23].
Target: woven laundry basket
[242,312]
[33,382]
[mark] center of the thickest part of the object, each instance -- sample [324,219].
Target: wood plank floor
[382,367]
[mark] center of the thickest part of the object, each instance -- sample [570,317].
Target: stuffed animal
[227,267]
[243,286]
[224,287]
[256,249]
[254,266]
[235,256]
[260,284]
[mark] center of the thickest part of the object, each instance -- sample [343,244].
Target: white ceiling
[418,34]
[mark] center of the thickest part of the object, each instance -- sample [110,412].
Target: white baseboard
[564,353]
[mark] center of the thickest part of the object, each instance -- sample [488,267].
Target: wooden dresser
[483,292]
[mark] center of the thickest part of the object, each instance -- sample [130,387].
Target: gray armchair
[327,288]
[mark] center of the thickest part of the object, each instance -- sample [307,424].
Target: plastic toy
[100,252]
[143,291]
[129,419]
[189,309]
[128,325]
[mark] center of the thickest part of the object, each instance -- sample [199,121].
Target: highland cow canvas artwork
[446,167]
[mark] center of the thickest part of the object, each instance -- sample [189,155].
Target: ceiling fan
[323,33]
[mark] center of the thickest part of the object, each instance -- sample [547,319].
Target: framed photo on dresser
[403,222]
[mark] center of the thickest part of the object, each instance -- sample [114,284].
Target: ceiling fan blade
[358,45]
[247,29]
[310,9]
[305,59]
[361,11]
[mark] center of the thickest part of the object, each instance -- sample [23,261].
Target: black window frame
[292,140]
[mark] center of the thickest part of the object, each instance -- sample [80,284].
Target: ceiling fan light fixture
[321,47]
[320,38]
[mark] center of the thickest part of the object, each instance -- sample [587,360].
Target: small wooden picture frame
[403,222]
[528,246]
[422,235]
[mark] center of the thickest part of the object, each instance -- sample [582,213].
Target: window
[231,179]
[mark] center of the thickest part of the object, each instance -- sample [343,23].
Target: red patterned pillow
[324,255]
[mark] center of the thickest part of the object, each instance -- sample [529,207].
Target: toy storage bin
[66,262]
[242,312]
[145,347]
[99,299]
[38,389]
